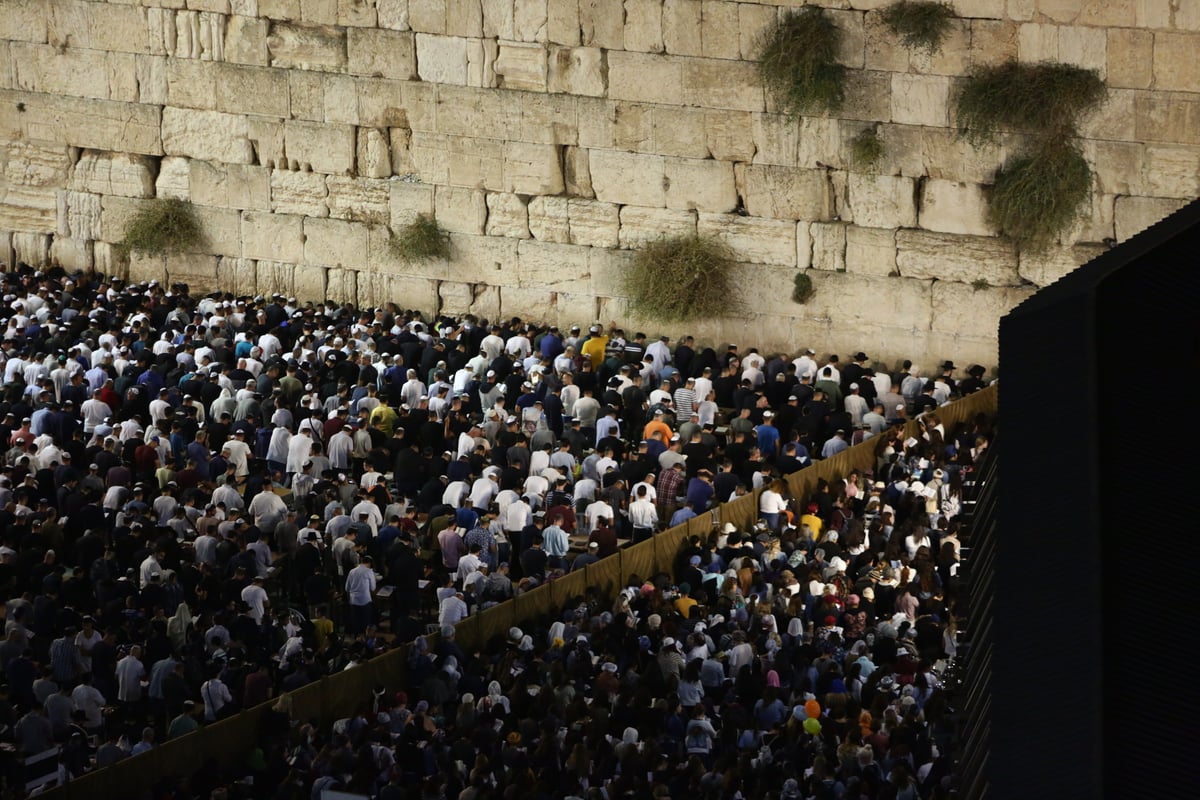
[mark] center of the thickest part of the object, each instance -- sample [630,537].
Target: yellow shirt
[684,606]
[593,348]
[384,418]
[814,524]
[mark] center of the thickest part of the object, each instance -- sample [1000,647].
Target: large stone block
[776,139]
[529,20]
[882,201]
[1135,214]
[953,207]
[550,265]
[381,53]
[521,65]
[728,135]
[956,258]
[230,185]
[373,153]
[1083,47]
[98,124]
[532,168]
[1175,64]
[31,248]
[853,300]
[828,246]
[683,27]
[577,176]
[641,226]
[1037,42]
[628,178]
[208,135]
[79,215]
[115,215]
[593,223]
[30,164]
[1130,56]
[312,47]
[820,143]
[966,313]
[543,119]
[679,131]
[150,72]
[868,96]
[577,71]
[407,291]
[784,193]
[1173,171]
[410,200]
[191,83]
[753,240]
[602,23]
[716,83]
[702,184]
[335,243]
[460,210]
[643,26]
[94,26]
[549,219]
[645,77]
[442,59]
[221,229]
[237,275]
[275,237]
[321,148]
[72,254]
[28,208]
[508,215]
[24,21]
[993,42]
[476,163]
[1167,117]
[1043,269]
[392,14]
[246,41]
[920,99]
[720,31]
[251,90]
[42,68]
[362,199]
[174,179]
[870,251]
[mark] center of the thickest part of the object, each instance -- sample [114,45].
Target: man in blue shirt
[700,491]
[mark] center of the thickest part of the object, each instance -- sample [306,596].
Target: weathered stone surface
[381,53]
[728,135]
[577,71]
[81,219]
[301,193]
[407,291]
[577,174]
[854,301]
[208,135]
[783,193]
[460,210]
[409,200]
[373,153]
[335,243]
[24,21]
[174,178]
[1175,64]
[1084,47]
[643,26]
[717,83]
[1167,117]
[820,143]
[272,236]
[963,312]
[1130,58]
[628,178]
[82,73]
[920,99]
[593,223]
[678,132]
[442,59]
[29,164]
[645,78]
[776,139]
[706,185]
[555,266]
[640,226]
[532,168]
[476,163]
[392,14]
[521,65]
[114,173]
[720,32]
[237,275]
[683,27]
[230,185]
[828,246]
[98,124]
[221,229]
[993,41]
[95,26]
[549,219]
[508,215]
[31,248]
[362,199]
[72,254]
[1043,269]
[321,148]
[952,207]
[313,47]
[882,201]
[758,241]
[1172,171]
[870,251]
[115,214]
[956,258]
[602,23]
[1037,42]
[28,208]
[246,41]
[1134,214]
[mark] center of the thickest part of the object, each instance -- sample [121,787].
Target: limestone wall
[552,136]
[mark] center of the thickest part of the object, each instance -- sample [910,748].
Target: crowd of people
[206,502]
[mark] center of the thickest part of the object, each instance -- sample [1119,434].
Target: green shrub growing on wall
[1040,193]
[163,227]
[680,278]
[802,288]
[420,240]
[798,62]
[920,24]
[1044,99]
[866,150]
[1042,188]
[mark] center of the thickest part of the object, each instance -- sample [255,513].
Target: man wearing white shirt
[360,586]
[255,596]
[484,491]
[238,453]
[267,507]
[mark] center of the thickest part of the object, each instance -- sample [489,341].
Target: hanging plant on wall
[420,240]
[680,278]
[920,24]
[1041,190]
[162,227]
[866,150]
[798,62]
[802,288]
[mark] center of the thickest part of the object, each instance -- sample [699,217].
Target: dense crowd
[203,497]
